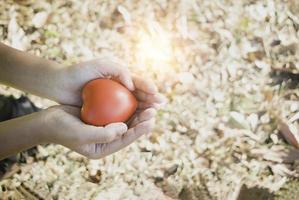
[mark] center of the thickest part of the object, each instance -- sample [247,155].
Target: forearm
[21,133]
[27,72]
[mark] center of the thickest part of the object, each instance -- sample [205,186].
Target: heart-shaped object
[106,101]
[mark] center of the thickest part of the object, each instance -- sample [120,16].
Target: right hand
[63,126]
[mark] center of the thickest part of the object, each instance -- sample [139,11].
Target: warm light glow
[154,51]
[154,48]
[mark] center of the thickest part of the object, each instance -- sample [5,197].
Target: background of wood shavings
[232,76]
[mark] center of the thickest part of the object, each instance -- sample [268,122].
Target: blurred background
[230,71]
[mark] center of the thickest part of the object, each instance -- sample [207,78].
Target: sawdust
[219,63]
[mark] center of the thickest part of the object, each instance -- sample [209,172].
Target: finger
[124,77]
[118,71]
[146,105]
[145,85]
[143,116]
[130,136]
[150,98]
[137,112]
[106,134]
[85,133]
[133,118]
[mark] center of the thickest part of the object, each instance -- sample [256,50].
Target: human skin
[61,124]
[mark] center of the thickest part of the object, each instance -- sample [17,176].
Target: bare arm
[27,72]
[20,134]
[62,124]
[52,80]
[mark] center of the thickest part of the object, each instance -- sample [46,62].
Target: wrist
[28,72]
[40,131]
[45,121]
[20,133]
[48,121]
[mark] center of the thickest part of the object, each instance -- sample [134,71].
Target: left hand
[62,125]
[69,81]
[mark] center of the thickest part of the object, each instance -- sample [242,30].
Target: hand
[69,81]
[63,126]
[72,79]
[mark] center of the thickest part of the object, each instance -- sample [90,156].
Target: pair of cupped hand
[63,121]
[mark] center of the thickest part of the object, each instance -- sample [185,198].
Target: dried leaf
[237,120]
[40,19]
[95,177]
[171,170]
[290,133]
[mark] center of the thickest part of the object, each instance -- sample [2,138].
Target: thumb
[108,133]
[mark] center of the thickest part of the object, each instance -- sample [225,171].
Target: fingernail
[131,86]
[123,128]
[153,112]
[152,88]
[120,127]
[148,135]
[161,98]
[158,105]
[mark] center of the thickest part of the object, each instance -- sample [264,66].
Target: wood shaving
[222,73]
